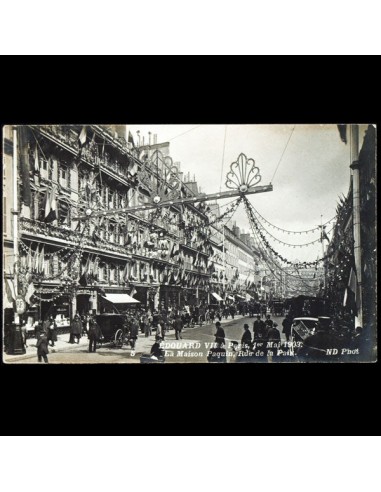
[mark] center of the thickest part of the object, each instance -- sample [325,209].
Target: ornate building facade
[74,255]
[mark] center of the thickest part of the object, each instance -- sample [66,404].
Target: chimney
[143,141]
[155,138]
[149,138]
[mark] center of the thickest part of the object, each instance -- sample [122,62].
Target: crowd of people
[262,338]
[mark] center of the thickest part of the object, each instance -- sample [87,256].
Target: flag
[41,260]
[29,292]
[24,165]
[11,289]
[82,137]
[36,260]
[36,161]
[8,299]
[343,132]
[131,139]
[134,169]
[29,260]
[51,206]
[125,273]
[175,250]
[350,296]
[83,279]
[352,282]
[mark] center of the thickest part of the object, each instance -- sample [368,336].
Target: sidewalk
[143,343]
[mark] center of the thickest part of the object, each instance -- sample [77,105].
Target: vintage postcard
[155,244]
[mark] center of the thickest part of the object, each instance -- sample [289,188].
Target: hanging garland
[78,251]
[253,222]
[294,232]
[288,244]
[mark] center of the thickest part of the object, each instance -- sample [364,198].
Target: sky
[312,173]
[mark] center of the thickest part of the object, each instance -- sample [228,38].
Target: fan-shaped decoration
[243,174]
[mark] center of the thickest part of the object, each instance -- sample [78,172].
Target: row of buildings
[62,265]
[352,282]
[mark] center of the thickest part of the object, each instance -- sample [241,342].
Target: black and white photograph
[189,244]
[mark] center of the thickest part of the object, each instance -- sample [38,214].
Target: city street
[184,350]
[123,232]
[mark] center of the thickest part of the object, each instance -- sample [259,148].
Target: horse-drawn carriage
[278,308]
[114,329]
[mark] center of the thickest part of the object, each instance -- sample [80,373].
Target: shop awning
[216,296]
[120,299]
[230,297]
[241,297]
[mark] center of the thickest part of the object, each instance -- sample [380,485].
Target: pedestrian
[45,325]
[217,354]
[232,311]
[146,326]
[259,330]
[273,339]
[134,333]
[52,331]
[38,330]
[24,333]
[178,324]
[94,334]
[220,334]
[75,329]
[212,315]
[157,350]
[287,324]
[263,310]
[85,323]
[246,337]
[268,322]
[42,348]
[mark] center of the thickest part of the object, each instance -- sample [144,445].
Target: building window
[41,206]
[112,273]
[64,175]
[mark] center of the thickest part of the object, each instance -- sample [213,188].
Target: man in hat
[273,338]
[134,332]
[246,337]
[259,329]
[220,334]
[94,334]
[178,325]
[318,346]
[42,347]
[156,349]
[52,331]
[75,329]
[287,324]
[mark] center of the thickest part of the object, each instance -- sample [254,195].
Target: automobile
[302,328]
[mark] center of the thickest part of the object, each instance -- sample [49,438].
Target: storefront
[117,303]
[170,296]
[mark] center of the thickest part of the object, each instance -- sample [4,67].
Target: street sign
[20,305]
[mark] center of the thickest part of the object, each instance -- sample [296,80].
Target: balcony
[38,228]
[63,136]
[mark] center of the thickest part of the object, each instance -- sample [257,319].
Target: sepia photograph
[178,244]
